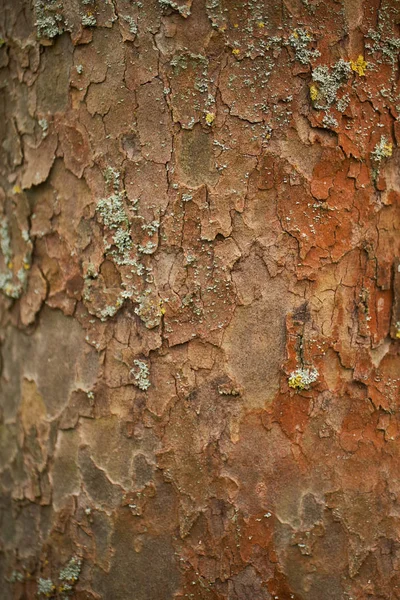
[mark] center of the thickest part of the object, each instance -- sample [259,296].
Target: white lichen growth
[387,48]
[183,10]
[328,81]
[148,248]
[8,284]
[343,103]
[45,587]
[151,228]
[383,149]
[300,41]
[112,211]
[89,20]
[71,572]
[16,576]
[329,121]
[131,22]
[302,378]
[141,373]
[122,240]
[49,22]
[112,177]
[43,123]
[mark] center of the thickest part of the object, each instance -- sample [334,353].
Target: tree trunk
[200,311]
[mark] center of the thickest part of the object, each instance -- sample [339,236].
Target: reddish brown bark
[200,314]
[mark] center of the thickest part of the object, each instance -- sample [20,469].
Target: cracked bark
[200,299]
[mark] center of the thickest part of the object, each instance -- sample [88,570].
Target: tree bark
[200,308]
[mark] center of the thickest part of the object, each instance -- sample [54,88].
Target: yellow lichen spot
[260,24]
[359,65]
[313,92]
[210,117]
[295,34]
[398,334]
[236,51]
[387,149]
[10,265]
[16,189]
[296,382]
[26,266]
[301,379]
[222,28]
[236,25]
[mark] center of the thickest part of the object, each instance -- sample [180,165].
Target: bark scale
[200,312]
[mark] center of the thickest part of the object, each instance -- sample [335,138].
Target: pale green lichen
[300,41]
[329,121]
[113,214]
[151,228]
[148,248]
[183,10]
[89,20]
[112,177]
[5,241]
[383,149]
[49,20]
[140,373]
[122,240]
[131,22]
[43,123]
[387,47]
[180,62]
[343,103]
[109,311]
[112,211]
[328,81]
[70,573]
[302,378]
[8,284]
[45,587]
[17,577]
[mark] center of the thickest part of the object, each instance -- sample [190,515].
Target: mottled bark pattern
[200,307]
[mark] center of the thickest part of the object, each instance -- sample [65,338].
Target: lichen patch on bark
[199,299]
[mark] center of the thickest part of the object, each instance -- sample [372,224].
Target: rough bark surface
[200,312]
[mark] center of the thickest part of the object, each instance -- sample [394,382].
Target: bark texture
[200,311]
